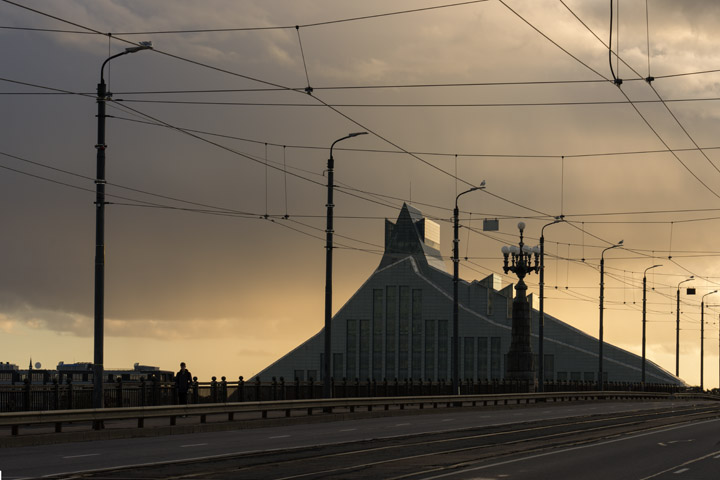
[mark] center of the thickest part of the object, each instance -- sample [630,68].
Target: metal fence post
[241,389]
[69,393]
[196,391]
[27,400]
[223,387]
[213,390]
[56,390]
[119,400]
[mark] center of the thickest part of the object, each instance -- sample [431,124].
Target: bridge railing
[30,396]
[96,418]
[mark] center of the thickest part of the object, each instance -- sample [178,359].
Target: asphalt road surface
[623,440]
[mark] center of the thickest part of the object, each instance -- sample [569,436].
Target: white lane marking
[402,424]
[681,470]
[582,447]
[448,420]
[80,456]
[193,445]
[279,436]
[716,457]
[348,430]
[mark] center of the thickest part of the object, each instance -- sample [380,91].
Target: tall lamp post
[702,337]
[677,330]
[541,320]
[327,360]
[456,279]
[602,299]
[98,361]
[644,320]
[518,259]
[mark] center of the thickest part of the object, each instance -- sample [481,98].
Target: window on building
[482,360]
[443,350]
[404,333]
[468,358]
[430,350]
[390,331]
[549,367]
[337,367]
[377,333]
[417,334]
[351,339]
[495,358]
[364,349]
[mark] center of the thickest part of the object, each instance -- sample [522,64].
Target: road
[620,440]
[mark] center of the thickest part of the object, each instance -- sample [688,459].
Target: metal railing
[96,418]
[30,396]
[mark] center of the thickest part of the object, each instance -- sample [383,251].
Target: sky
[216,159]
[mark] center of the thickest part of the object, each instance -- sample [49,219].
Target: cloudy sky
[214,237]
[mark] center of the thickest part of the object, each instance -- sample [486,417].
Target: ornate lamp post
[327,360]
[541,320]
[677,335]
[602,298]
[702,337]
[456,279]
[644,313]
[519,260]
[99,321]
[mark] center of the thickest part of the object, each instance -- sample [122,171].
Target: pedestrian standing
[183,380]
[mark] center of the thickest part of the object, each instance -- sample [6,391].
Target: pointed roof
[412,235]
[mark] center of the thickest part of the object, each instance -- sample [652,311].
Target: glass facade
[468,357]
[351,341]
[417,331]
[377,334]
[495,358]
[364,349]
[430,348]
[482,360]
[404,333]
[443,350]
[390,332]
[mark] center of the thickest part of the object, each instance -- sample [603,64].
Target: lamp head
[140,46]
[521,226]
[505,250]
[619,244]
[355,134]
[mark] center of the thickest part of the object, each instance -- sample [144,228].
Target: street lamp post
[520,356]
[541,320]
[602,299]
[644,321]
[456,279]
[327,360]
[677,330]
[99,323]
[702,338]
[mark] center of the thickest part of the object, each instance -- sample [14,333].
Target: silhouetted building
[399,325]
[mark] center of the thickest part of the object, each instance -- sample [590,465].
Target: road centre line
[193,445]
[85,455]
[682,470]
[348,430]
[279,436]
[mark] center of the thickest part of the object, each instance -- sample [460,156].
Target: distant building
[399,325]
[77,373]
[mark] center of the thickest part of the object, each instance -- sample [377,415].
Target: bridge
[408,437]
